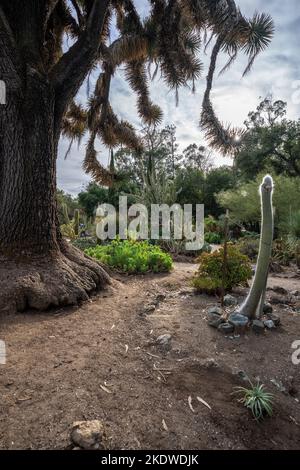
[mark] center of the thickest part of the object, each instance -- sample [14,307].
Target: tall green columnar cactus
[65,213]
[253,305]
[76,222]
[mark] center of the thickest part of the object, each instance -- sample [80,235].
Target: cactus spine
[253,305]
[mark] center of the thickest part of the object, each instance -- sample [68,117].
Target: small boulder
[295,293]
[280,290]
[217,310]
[258,326]
[269,324]
[89,435]
[230,301]
[214,319]
[164,340]
[279,299]
[275,318]
[268,308]
[226,328]
[238,320]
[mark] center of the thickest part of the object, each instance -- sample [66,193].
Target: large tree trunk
[37,268]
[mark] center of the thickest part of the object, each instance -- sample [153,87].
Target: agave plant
[256,399]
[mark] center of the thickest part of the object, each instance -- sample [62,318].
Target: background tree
[43,76]
[198,157]
[270,142]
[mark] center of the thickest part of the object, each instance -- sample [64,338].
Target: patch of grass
[132,256]
[257,400]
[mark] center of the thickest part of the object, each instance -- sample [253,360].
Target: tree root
[62,279]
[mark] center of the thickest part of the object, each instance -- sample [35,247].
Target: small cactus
[253,305]
[65,214]
[76,222]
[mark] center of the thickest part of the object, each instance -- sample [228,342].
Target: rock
[295,293]
[280,290]
[187,291]
[279,385]
[268,308]
[217,310]
[214,319]
[159,298]
[210,363]
[89,435]
[269,324]
[226,328]
[148,309]
[229,300]
[258,326]
[275,318]
[240,373]
[238,320]
[164,340]
[279,300]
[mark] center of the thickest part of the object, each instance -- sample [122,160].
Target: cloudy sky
[276,71]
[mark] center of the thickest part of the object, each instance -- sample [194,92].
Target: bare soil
[101,361]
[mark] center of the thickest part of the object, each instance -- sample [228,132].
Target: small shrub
[286,250]
[211,224]
[257,400]
[251,235]
[249,247]
[132,256]
[209,276]
[212,237]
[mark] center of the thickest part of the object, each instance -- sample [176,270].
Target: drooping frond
[222,138]
[92,166]
[136,75]
[74,124]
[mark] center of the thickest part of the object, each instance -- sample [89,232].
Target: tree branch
[68,74]
[9,66]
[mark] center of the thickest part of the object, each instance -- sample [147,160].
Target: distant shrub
[132,256]
[252,235]
[286,250]
[211,224]
[249,247]
[84,243]
[212,237]
[209,276]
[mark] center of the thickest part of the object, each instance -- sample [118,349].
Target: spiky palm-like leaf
[171,37]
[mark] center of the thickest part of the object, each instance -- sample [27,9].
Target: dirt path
[57,363]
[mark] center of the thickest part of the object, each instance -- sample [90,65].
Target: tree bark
[37,268]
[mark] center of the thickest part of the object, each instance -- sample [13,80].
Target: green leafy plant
[256,399]
[212,237]
[132,256]
[209,276]
[211,224]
